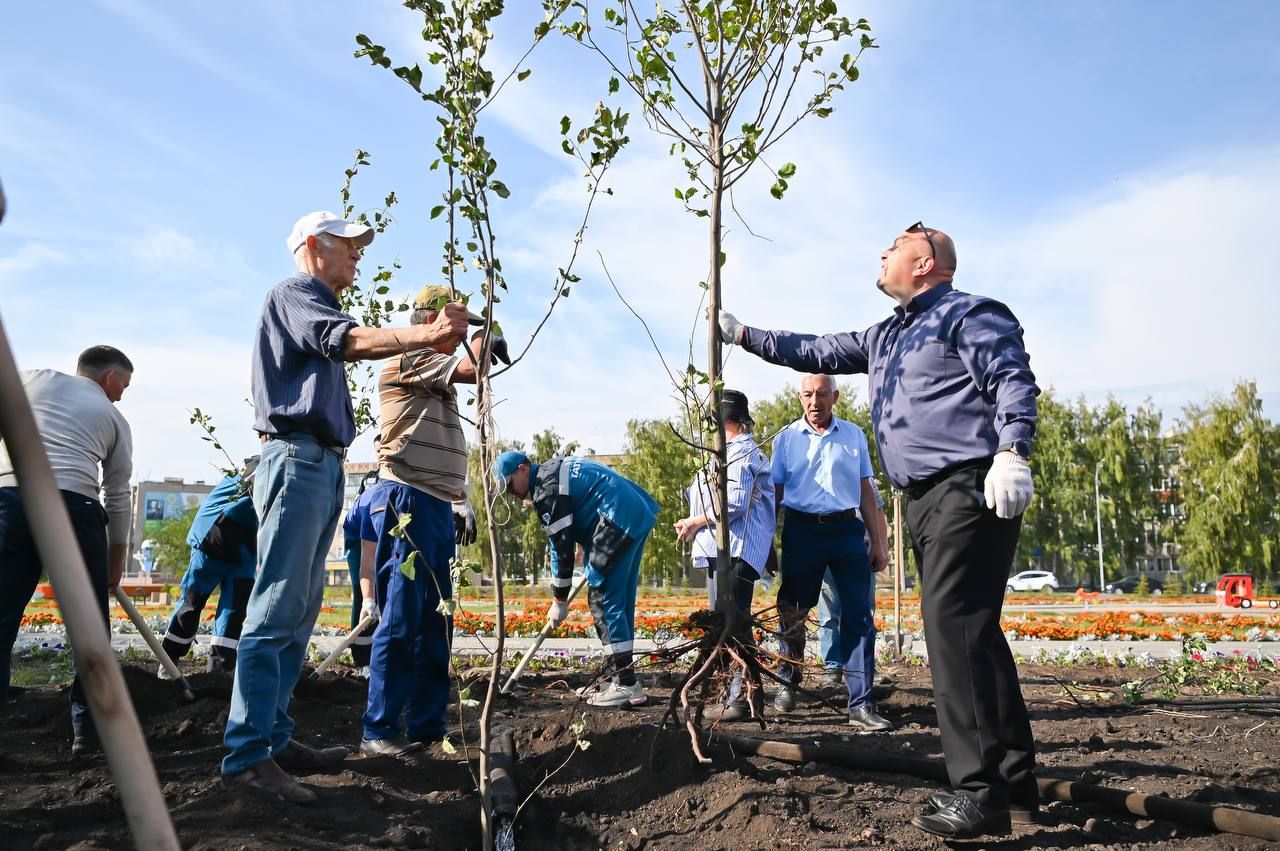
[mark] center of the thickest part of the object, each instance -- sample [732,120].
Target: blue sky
[1107,169]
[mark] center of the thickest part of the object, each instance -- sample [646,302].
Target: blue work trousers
[20,570]
[409,661]
[810,552]
[205,575]
[351,548]
[298,497]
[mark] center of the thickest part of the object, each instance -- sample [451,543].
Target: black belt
[834,517]
[916,490]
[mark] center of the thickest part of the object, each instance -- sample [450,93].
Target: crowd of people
[953,407]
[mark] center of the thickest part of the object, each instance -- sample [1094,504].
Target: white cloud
[1163,286]
[153,23]
[30,256]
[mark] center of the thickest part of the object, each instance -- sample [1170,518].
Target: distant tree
[172,553]
[661,462]
[1229,479]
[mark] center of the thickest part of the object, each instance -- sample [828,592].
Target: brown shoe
[269,779]
[297,756]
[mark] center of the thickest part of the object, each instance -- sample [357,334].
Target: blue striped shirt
[821,473]
[752,517]
[297,370]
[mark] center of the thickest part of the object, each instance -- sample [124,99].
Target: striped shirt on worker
[751,506]
[422,444]
[299,386]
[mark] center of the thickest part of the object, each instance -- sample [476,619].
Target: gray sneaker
[398,746]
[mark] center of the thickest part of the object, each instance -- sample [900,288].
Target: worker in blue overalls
[361,604]
[583,503]
[224,552]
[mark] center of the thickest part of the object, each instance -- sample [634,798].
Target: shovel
[188,693]
[537,642]
[364,624]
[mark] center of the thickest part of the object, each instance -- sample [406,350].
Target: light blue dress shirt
[821,473]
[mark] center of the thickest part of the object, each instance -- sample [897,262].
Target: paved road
[589,646]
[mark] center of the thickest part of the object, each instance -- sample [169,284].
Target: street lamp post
[1097,508]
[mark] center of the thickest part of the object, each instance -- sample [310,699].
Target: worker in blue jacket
[224,553]
[356,520]
[583,503]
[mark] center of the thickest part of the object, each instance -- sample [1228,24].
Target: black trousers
[964,552]
[20,570]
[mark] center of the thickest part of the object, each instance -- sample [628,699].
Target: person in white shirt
[90,449]
[752,519]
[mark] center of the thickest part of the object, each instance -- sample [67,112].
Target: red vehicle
[1236,590]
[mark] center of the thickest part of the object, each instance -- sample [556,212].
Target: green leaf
[448,746]
[437,210]
[447,607]
[500,189]
[787,170]
[523,74]
[564,124]
[409,567]
[613,85]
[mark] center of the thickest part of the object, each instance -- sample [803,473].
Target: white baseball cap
[323,221]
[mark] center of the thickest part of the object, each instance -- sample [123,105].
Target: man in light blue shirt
[822,469]
[752,520]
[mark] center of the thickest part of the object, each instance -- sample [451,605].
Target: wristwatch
[1021,448]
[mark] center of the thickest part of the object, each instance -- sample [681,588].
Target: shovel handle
[537,642]
[350,639]
[154,643]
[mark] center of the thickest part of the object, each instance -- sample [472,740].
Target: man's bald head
[920,258]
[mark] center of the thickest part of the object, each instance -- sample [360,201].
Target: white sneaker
[619,695]
[162,673]
[366,672]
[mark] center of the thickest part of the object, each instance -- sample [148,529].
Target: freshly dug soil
[607,796]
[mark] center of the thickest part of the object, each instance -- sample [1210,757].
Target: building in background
[153,504]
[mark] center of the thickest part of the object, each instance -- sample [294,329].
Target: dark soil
[607,796]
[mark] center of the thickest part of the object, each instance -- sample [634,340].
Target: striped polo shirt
[422,443]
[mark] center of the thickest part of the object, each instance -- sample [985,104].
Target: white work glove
[369,608]
[730,328]
[1008,485]
[557,613]
[464,522]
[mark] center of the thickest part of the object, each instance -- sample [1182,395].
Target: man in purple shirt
[953,406]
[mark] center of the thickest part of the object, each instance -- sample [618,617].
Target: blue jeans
[829,624]
[298,496]
[409,663]
[20,569]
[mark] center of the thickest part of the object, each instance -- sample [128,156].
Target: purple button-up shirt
[950,380]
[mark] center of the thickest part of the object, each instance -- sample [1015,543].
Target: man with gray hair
[82,432]
[304,417]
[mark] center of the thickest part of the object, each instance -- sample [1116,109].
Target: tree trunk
[725,604]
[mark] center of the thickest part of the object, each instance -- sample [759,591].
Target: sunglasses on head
[919,227]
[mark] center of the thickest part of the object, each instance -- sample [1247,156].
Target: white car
[1033,580]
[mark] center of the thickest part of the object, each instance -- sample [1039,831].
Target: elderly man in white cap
[304,416]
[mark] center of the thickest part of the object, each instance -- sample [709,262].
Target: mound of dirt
[606,795]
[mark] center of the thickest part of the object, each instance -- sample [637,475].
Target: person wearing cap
[953,407]
[303,413]
[822,469]
[582,503]
[752,519]
[224,552]
[90,449]
[422,471]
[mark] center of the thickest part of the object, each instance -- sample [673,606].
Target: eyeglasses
[919,227]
